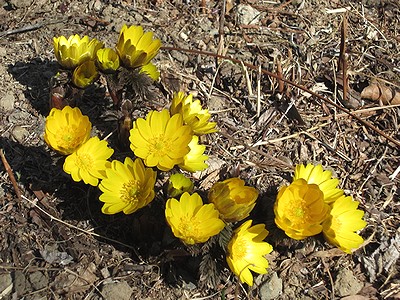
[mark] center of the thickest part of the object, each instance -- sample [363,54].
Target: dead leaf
[56,257]
[380,92]
[382,259]
[229,6]
[79,281]
[329,253]
[210,175]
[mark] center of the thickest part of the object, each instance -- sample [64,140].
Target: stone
[38,280]
[20,133]
[21,3]
[6,284]
[7,102]
[271,288]
[247,15]
[19,117]
[21,283]
[346,283]
[3,52]
[117,291]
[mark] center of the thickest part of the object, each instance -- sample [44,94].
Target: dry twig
[10,175]
[342,57]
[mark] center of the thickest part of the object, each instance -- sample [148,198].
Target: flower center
[189,227]
[84,161]
[160,145]
[68,137]
[298,213]
[239,249]
[130,192]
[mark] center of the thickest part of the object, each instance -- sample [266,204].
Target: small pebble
[247,15]
[6,284]
[7,102]
[346,283]
[20,133]
[272,288]
[3,52]
[117,291]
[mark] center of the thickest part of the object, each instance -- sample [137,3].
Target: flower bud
[178,184]
[85,74]
[233,199]
[107,60]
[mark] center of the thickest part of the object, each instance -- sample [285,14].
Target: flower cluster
[312,204]
[68,132]
[169,140]
[126,186]
[84,59]
[230,200]
[193,113]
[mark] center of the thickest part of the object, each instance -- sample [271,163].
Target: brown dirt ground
[55,243]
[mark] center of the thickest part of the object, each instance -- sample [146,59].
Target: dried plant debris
[381,93]
[384,259]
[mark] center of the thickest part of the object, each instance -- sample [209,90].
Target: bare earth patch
[56,244]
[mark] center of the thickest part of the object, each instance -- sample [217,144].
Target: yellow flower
[107,60]
[316,175]
[246,251]
[300,209]
[233,199]
[192,221]
[74,51]
[89,162]
[128,187]
[193,114]
[85,74]
[67,129]
[342,222]
[136,48]
[194,160]
[151,70]
[178,184]
[160,140]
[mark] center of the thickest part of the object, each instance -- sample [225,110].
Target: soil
[56,244]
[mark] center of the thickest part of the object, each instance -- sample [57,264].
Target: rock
[7,102]
[19,117]
[38,280]
[6,284]
[3,52]
[117,291]
[347,284]
[19,133]
[271,288]
[247,15]
[95,5]
[21,284]
[20,3]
